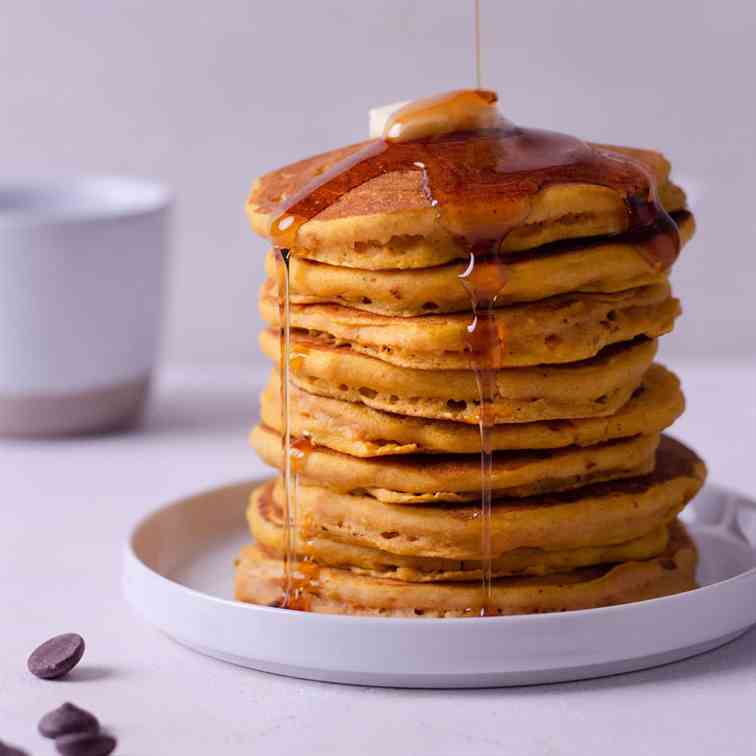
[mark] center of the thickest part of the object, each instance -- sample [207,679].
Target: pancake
[567,328]
[265,519]
[258,580]
[355,429]
[396,204]
[605,267]
[592,388]
[599,515]
[406,252]
[456,477]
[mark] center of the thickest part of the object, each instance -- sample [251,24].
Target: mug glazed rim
[34,202]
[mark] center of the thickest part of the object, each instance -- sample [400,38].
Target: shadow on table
[738,655]
[91,672]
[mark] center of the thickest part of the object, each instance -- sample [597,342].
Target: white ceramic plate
[179,570]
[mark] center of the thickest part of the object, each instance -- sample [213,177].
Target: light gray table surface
[68,506]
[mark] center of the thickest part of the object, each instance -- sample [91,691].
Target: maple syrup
[299,575]
[477,44]
[484,346]
[480,174]
[289,481]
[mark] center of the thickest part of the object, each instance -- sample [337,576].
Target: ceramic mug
[81,281]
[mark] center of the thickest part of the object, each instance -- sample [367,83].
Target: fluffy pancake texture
[602,514]
[419,569]
[357,430]
[566,328]
[605,267]
[265,518]
[414,478]
[258,579]
[396,205]
[408,251]
[592,388]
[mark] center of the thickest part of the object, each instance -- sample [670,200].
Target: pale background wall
[205,95]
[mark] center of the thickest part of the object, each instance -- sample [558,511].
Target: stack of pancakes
[586,489]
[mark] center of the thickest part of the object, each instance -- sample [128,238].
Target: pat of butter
[379,117]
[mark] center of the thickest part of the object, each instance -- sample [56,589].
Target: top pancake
[395,206]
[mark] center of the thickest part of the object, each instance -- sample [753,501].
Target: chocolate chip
[56,657]
[67,719]
[6,750]
[85,744]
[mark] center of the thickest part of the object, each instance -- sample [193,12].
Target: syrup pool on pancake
[480,172]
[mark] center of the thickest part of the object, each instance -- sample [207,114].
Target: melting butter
[378,117]
[460,110]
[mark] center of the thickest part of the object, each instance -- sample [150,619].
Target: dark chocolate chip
[56,657]
[66,720]
[7,750]
[85,744]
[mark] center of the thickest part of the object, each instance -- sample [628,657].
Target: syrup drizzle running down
[299,575]
[290,479]
[483,339]
[480,182]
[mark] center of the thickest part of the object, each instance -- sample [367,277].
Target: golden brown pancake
[265,519]
[605,267]
[456,477]
[396,205]
[567,328]
[412,251]
[599,515]
[597,387]
[341,591]
[355,429]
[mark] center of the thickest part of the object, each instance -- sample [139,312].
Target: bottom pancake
[342,591]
